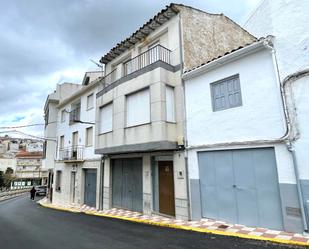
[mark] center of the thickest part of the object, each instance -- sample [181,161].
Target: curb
[9,197]
[194,229]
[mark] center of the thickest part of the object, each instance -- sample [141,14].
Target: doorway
[90,187]
[127,181]
[73,186]
[166,188]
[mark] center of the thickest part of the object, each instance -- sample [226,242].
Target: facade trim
[142,147]
[138,73]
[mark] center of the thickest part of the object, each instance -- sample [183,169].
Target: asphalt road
[24,224]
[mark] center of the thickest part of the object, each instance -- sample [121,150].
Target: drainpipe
[184,123]
[299,190]
[101,183]
[287,135]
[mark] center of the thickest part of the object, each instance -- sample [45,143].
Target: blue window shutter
[226,93]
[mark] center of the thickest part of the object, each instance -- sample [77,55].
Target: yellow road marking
[188,228]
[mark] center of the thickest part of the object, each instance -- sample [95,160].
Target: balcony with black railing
[74,115]
[151,56]
[73,153]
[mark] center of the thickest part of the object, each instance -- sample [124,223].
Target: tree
[1,179]
[8,177]
[9,170]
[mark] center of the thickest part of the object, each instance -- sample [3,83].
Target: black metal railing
[109,78]
[75,115]
[72,153]
[152,55]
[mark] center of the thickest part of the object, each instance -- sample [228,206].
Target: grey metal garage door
[241,186]
[127,184]
[90,187]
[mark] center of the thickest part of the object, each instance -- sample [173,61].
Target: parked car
[40,190]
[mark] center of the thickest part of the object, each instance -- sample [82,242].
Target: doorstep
[204,225]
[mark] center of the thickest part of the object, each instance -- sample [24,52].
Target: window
[61,145]
[106,118]
[138,108]
[170,104]
[63,116]
[75,139]
[58,180]
[89,136]
[226,93]
[90,101]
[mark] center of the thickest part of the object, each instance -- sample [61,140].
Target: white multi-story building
[140,109]
[77,170]
[29,170]
[62,91]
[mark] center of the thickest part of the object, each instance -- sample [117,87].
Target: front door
[166,188]
[90,187]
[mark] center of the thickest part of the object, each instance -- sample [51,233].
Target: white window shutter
[138,108]
[106,118]
[170,104]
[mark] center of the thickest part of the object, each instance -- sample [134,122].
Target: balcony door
[74,144]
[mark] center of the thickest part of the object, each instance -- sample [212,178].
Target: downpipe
[299,190]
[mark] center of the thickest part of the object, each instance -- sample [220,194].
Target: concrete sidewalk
[203,226]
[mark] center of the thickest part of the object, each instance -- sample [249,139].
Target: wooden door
[166,188]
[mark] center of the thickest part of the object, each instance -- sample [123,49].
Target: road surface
[25,224]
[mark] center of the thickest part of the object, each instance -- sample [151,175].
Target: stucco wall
[86,115]
[259,117]
[63,197]
[286,20]
[206,36]
[298,101]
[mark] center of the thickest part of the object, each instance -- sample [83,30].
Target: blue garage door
[241,186]
[127,182]
[90,187]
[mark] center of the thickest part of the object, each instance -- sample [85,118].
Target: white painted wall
[300,94]
[259,117]
[86,115]
[7,162]
[287,20]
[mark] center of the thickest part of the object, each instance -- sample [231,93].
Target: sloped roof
[23,153]
[158,20]
[228,52]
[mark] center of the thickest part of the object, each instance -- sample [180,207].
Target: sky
[46,42]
